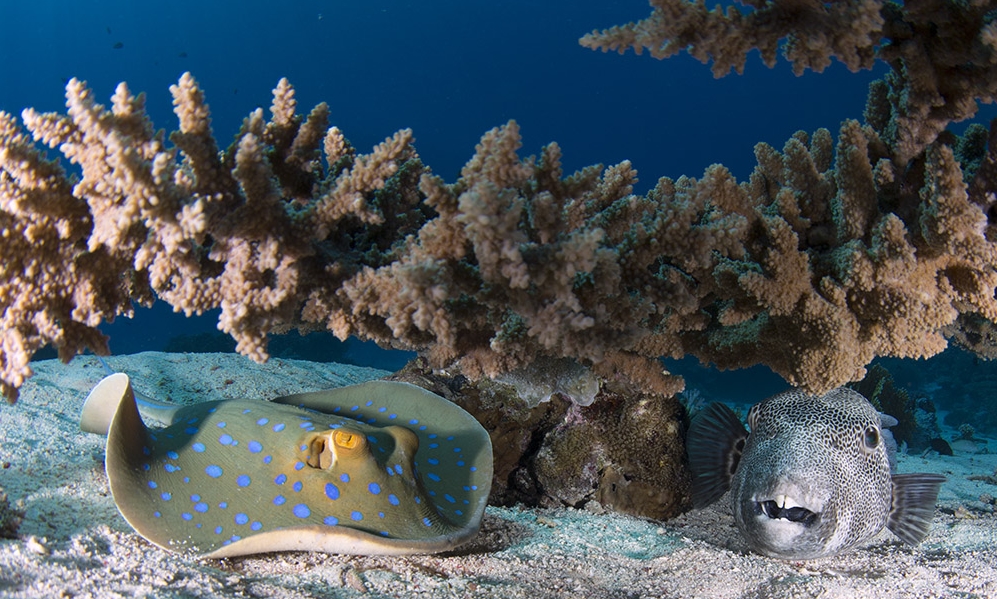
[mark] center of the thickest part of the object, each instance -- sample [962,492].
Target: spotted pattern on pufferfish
[812,478]
[377,471]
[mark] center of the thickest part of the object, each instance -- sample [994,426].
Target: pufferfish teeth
[785,502]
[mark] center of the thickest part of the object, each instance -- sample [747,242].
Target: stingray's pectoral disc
[373,469]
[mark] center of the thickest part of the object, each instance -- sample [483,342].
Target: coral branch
[833,252]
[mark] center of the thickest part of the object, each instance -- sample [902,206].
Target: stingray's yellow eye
[346,439]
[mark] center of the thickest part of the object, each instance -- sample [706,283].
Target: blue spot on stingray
[243,480]
[305,425]
[299,465]
[374,488]
[423,427]
[193,421]
[356,516]
[212,410]
[392,417]
[427,521]
[218,530]
[221,424]
[433,461]
[198,447]
[146,467]
[213,470]
[246,411]
[331,491]
[201,507]
[256,525]
[390,471]
[195,498]
[382,409]
[433,477]
[460,462]
[417,500]
[157,514]
[152,484]
[413,421]
[393,500]
[458,512]
[384,533]
[146,451]
[262,421]
[431,436]
[301,510]
[457,450]
[279,500]
[170,467]
[297,487]
[434,445]
[380,514]
[449,498]
[255,447]
[187,516]
[281,479]
[369,404]
[241,519]
[331,520]
[344,477]
[190,430]
[474,468]
[371,420]
[354,408]
[225,439]
[302,447]
[371,439]
[398,468]
[153,437]
[223,505]
[450,438]
[278,427]
[172,455]
[267,459]
[186,479]
[167,496]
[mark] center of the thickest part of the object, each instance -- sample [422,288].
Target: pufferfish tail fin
[914,498]
[715,443]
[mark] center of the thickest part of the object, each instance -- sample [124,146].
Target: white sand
[73,543]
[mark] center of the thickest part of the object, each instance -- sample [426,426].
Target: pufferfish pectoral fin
[914,497]
[714,444]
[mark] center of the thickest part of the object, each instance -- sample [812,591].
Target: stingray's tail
[102,403]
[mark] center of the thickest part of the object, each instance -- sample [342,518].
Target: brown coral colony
[833,251]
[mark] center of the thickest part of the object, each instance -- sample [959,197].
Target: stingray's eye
[870,437]
[346,439]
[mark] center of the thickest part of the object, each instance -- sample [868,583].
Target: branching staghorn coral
[834,251]
[943,54]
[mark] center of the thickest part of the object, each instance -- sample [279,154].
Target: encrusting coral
[832,252]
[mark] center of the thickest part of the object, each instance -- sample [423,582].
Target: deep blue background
[450,70]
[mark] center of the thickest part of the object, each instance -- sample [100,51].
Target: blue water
[448,69]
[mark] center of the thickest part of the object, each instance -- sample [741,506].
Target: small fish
[812,479]
[379,468]
[118,45]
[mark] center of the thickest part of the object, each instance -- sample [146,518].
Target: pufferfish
[812,479]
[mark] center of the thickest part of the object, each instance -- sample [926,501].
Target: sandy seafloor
[73,542]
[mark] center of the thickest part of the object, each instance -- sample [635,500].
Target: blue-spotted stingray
[381,468]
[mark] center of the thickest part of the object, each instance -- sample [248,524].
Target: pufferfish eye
[870,437]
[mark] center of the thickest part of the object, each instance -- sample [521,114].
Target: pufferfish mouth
[782,507]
